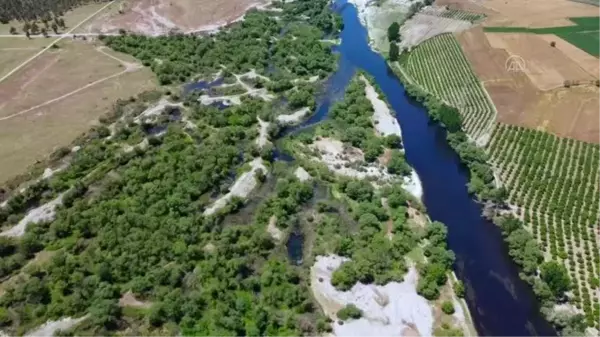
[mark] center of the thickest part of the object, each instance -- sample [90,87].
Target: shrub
[448,307]
[459,289]
[350,311]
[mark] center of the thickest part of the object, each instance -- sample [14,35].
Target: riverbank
[377,16]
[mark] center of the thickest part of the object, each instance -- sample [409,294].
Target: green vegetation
[535,175]
[250,44]
[448,307]
[394,32]
[459,288]
[352,118]
[554,182]
[481,176]
[584,34]
[350,311]
[439,66]
[49,12]
[131,217]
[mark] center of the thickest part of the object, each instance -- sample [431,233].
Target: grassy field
[584,34]
[15,50]
[554,183]
[59,95]
[440,67]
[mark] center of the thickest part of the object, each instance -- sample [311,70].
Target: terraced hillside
[554,184]
[440,67]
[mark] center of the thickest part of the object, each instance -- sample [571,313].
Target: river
[500,302]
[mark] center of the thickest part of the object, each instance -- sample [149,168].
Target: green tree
[459,289]
[350,311]
[394,52]
[556,276]
[393,32]
[398,164]
[448,307]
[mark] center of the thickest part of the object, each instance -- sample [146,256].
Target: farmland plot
[554,184]
[439,66]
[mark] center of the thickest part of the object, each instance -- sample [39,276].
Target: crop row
[440,67]
[554,182]
[462,15]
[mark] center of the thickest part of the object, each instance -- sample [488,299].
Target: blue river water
[501,304]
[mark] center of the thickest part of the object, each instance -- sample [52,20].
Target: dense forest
[32,10]
[130,220]
[282,48]
[130,250]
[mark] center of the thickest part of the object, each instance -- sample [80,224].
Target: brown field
[547,67]
[536,13]
[154,17]
[58,96]
[15,50]
[568,112]
[524,13]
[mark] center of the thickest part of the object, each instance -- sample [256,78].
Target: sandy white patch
[301,174]
[413,185]
[427,24]
[50,327]
[263,133]
[157,109]
[293,117]
[44,212]
[272,229]
[128,300]
[386,124]
[241,188]
[348,161]
[387,310]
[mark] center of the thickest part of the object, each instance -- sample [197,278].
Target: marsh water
[501,304]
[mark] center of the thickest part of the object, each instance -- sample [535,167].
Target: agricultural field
[553,184]
[582,33]
[567,112]
[462,15]
[58,95]
[440,67]
[431,21]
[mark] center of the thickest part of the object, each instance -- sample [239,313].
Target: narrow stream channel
[500,302]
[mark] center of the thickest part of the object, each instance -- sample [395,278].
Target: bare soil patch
[474,6]
[535,13]
[547,67]
[567,112]
[584,60]
[155,17]
[47,104]
[55,73]
[14,50]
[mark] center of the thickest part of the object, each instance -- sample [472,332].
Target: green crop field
[584,34]
[554,184]
[440,67]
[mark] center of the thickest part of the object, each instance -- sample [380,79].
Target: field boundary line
[17,68]
[488,129]
[65,95]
